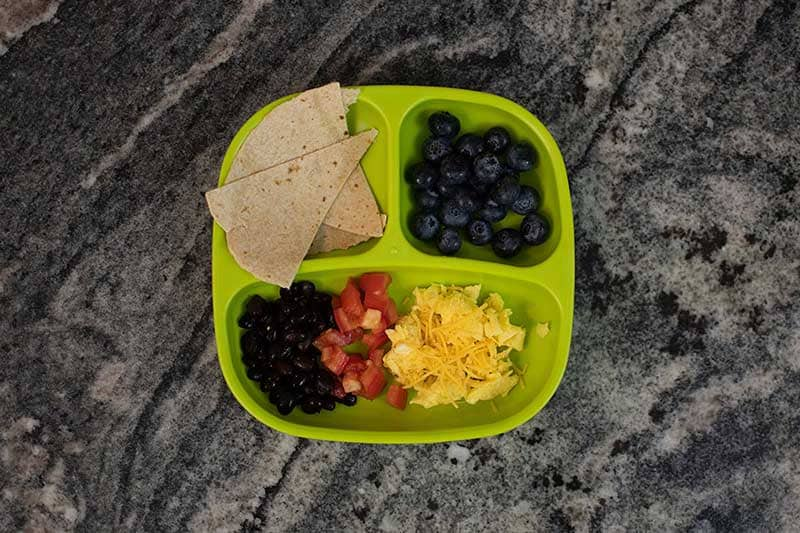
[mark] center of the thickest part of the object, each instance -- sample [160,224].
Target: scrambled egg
[448,348]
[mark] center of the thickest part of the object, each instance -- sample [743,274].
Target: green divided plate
[538,284]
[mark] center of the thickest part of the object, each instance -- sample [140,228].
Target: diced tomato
[397,396]
[371,319]
[354,335]
[331,337]
[355,364]
[374,340]
[374,282]
[351,383]
[372,382]
[334,359]
[376,356]
[380,326]
[338,390]
[351,300]
[343,320]
[336,302]
[377,301]
[390,313]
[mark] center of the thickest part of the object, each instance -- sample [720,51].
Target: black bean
[255,373]
[311,404]
[325,381]
[285,294]
[282,368]
[304,345]
[253,343]
[349,400]
[328,403]
[246,321]
[256,307]
[322,297]
[269,382]
[306,288]
[304,362]
[310,387]
[249,360]
[285,406]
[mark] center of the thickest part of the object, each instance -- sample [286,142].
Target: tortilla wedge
[310,121]
[271,217]
[329,238]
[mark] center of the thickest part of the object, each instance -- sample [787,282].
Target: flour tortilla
[310,121]
[271,217]
[329,238]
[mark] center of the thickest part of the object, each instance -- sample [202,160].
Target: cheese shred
[449,348]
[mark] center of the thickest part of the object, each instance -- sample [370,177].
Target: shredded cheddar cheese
[449,348]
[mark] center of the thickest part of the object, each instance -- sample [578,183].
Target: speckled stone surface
[680,126]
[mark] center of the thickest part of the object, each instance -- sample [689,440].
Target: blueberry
[453,215]
[445,191]
[521,157]
[422,175]
[435,148]
[497,139]
[527,201]
[449,241]
[426,200]
[470,145]
[534,229]
[466,199]
[443,124]
[425,226]
[454,169]
[506,191]
[487,169]
[479,232]
[507,243]
[492,211]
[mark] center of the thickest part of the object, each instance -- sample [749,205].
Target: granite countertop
[679,122]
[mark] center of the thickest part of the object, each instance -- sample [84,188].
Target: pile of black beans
[466,185]
[278,352]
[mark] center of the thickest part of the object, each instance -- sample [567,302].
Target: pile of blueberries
[278,352]
[471,183]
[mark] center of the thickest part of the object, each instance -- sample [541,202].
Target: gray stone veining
[680,126]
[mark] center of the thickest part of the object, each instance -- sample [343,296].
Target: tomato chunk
[390,313]
[336,302]
[351,300]
[355,364]
[377,301]
[344,321]
[371,319]
[374,282]
[331,337]
[334,359]
[380,326]
[376,356]
[397,396]
[372,382]
[374,340]
[351,383]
